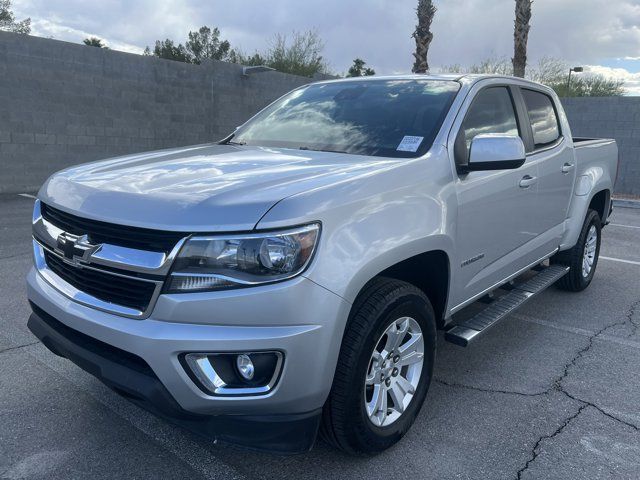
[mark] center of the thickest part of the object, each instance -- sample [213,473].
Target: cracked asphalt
[550,393]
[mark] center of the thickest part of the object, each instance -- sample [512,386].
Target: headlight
[227,261]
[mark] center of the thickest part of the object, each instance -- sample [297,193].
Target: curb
[626,203]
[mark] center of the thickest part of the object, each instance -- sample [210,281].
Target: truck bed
[595,152]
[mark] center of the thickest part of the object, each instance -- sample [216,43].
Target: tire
[385,305]
[578,279]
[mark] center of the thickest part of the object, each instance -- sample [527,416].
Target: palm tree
[422,35]
[520,36]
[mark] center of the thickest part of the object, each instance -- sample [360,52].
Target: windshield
[391,118]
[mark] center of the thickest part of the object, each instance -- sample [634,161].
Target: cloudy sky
[601,34]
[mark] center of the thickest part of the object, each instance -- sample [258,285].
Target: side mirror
[495,152]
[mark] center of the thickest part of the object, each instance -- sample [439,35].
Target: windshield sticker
[409,144]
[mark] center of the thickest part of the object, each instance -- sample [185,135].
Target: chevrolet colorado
[290,278]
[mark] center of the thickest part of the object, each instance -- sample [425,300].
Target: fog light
[245,366]
[239,373]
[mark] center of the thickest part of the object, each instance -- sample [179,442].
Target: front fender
[373,223]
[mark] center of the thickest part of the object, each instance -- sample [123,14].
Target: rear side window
[544,121]
[492,111]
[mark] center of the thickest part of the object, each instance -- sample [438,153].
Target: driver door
[496,209]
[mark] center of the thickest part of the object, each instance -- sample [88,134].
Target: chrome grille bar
[84,298]
[124,264]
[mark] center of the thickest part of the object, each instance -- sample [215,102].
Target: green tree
[238,56]
[422,35]
[205,43]
[8,20]
[491,65]
[594,85]
[169,51]
[299,55]
[200,45]
[549,71]
[358,69]
[553,73]
[94,42]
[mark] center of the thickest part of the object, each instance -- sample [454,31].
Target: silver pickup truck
[291,278]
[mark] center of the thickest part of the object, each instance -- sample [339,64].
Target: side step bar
[467,331]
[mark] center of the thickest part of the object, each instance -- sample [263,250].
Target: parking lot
[551,392]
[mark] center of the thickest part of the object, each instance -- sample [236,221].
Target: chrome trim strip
[546,148]
[261,233]
[83,298]
[114,256]
[134,260]
[202,368]
[501,282]
[44,230]
[234,280]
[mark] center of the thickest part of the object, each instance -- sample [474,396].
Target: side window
[492,111]
[544,121]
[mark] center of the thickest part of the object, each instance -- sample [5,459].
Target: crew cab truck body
[293,275]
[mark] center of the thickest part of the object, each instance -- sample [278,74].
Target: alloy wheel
[394,371]
[589,255]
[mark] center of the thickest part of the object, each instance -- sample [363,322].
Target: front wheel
[582,259]
[384,369]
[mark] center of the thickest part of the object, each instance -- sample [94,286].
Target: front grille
[103,232]
[127,292]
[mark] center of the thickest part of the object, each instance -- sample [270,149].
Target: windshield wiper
[321,150]
[229,141]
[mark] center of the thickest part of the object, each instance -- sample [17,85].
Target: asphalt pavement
[551,392]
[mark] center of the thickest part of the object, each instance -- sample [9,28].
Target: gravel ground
[551,392]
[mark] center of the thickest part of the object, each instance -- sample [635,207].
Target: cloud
[589,32]
[45,28]
[631,80]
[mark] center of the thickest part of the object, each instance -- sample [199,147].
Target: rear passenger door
[554,156]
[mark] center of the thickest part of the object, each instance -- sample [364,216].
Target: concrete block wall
[62,104]
[611,117]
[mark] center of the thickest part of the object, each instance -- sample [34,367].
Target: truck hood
[202,188]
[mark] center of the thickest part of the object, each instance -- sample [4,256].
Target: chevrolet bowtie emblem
[76,248]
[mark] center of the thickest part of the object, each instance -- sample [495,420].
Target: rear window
[544,121]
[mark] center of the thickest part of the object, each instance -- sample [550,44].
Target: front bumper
[297,317]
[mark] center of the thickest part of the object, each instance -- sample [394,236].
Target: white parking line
[27,195]
[177,441]
[631,262]
[577,331]
[621,225]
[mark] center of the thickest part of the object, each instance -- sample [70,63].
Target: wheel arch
[598,198]
[428,271]
[600,202]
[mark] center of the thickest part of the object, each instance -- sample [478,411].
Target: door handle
[527,181]
[567,167]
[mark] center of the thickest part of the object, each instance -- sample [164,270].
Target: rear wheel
[582,259]
[384,368]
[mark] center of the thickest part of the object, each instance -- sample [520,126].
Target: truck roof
[469,78]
